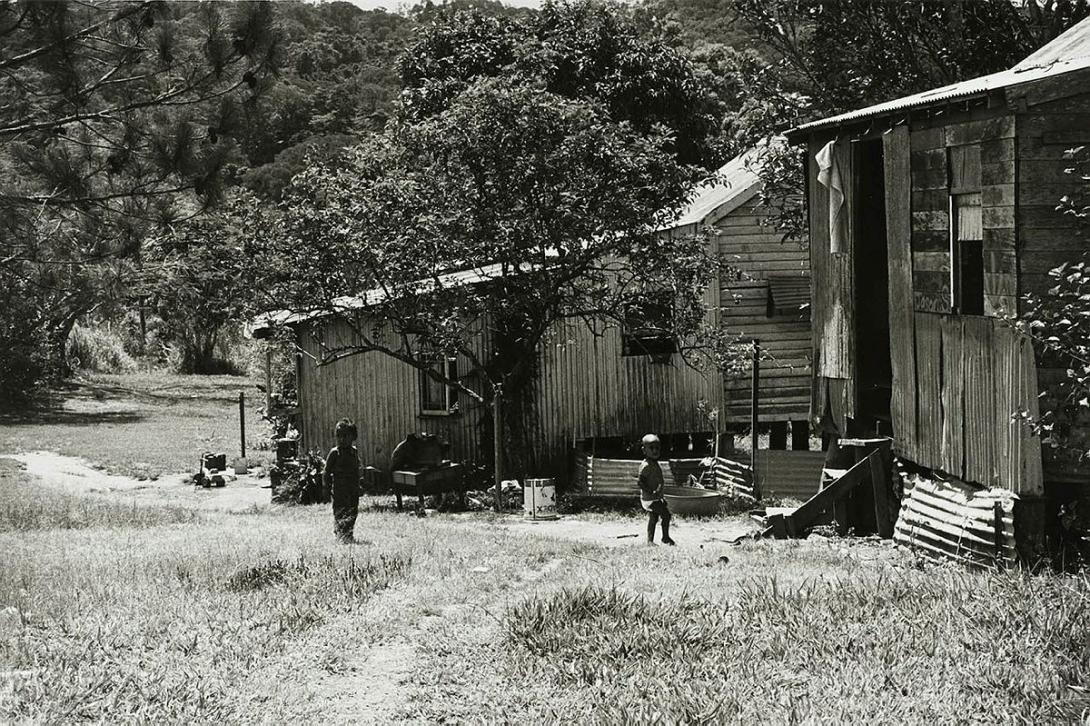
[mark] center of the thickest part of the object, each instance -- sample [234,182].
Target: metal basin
[692,500]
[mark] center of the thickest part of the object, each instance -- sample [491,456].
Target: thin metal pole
[242,420]
[497,440]
[754,418]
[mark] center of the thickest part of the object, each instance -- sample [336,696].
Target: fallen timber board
[805,516]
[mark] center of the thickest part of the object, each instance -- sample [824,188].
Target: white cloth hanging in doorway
[830,177]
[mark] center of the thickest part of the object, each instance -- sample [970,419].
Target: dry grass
[163,623]
[118,614]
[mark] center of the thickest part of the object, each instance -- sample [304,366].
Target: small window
[436,397]
[966,231]
[647,329]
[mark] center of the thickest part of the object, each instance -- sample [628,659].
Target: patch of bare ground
[75,475]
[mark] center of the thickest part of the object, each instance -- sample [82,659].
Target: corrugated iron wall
[982,373]
[379,393]
[586,388]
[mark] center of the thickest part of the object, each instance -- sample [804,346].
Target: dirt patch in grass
[75,476]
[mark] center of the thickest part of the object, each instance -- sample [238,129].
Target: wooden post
[242,420]
[754,418]
[497,440]
[880,480]
[268,379]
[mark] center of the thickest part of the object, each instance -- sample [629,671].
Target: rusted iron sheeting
[983,373]
[795,474]
[618,477]
[956,521]
[929,391]
[733,477]
[832,310]
[982,424]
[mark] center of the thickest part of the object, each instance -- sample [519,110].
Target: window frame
[450,393]
[958,188]
[664,343]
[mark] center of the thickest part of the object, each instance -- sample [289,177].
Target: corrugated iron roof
[729,187]
[262,325]
[734,181]
[1068,52]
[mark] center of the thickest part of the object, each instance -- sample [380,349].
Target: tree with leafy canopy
[811,60]
[534,161]
[118,119]
[195,281]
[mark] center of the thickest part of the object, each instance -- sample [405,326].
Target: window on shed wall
[646,329]
[966,231]
[437,397]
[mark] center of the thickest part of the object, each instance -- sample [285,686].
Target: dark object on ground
[419,468]
[286,449]
[214,462]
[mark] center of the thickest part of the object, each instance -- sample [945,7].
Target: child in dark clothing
[651,484]
[342,475]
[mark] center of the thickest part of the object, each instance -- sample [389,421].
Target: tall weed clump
[98,349]
[942,646]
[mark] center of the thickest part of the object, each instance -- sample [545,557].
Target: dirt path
[77,476]
[626,532]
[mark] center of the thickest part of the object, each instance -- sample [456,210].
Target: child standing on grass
[342,476]
[651,484]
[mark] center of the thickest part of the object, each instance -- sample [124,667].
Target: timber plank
[952,397]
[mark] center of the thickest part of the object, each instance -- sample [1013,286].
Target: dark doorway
[874,373]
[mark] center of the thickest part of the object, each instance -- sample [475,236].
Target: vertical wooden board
[981,419]
[929,390]
[953,396]
[1007,403]
[896,150]
[1030,479]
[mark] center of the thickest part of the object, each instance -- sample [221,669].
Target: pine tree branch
[127,12]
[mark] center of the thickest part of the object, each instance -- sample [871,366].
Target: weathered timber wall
[931,263]
[1046,237]
[768,307]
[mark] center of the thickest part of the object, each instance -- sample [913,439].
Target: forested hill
[338,80]
[339,76]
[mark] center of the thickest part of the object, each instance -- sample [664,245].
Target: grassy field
[139,424]
[115,612]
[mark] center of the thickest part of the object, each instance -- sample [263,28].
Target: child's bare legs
[659,512]
[665,515]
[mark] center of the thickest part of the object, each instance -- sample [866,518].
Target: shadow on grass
[69,418]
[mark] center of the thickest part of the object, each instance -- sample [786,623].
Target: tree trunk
[58,343]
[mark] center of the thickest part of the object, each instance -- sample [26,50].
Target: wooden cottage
[930,216]
[600,392]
